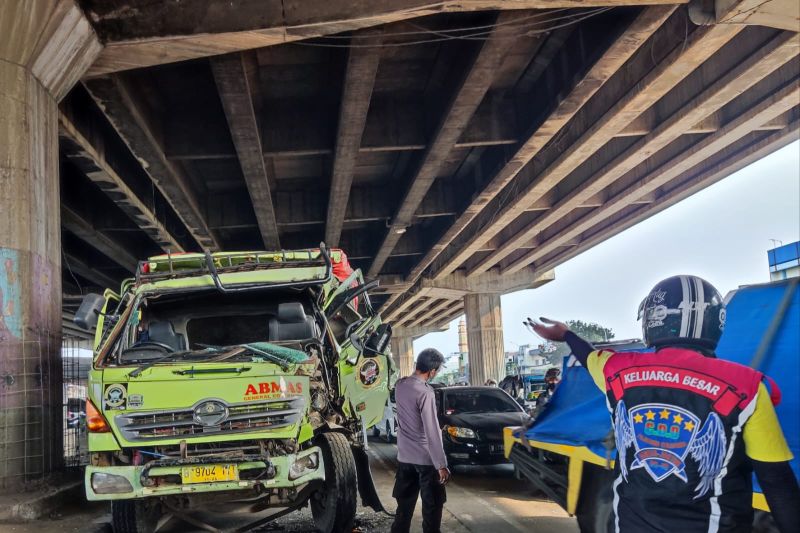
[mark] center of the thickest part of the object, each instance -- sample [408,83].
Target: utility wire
[480,36]
[526,25]
[69,269]
[422,30]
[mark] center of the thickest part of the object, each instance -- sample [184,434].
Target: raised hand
[551,330]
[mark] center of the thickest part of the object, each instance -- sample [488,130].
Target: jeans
[410,482]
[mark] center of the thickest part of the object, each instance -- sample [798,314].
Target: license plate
[209,473]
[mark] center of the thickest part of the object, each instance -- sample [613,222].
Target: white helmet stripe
[699,308]
[685,307]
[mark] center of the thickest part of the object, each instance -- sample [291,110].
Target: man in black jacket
[690,428]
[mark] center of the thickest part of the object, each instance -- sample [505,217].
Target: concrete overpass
[456,150]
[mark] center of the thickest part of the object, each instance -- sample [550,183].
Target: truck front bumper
[129,482]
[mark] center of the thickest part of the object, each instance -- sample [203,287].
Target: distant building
[526,360]
[463,350]
[535,362]
[784,261]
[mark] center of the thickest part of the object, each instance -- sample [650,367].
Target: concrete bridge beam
[481,303]
[485,337]
[403,346]
[403,354]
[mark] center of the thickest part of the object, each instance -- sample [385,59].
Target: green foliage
[590,331]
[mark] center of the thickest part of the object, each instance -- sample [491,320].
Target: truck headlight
[461,433]
[110,484]
[303,465]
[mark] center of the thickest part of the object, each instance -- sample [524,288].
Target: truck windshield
[478,401]
[205,325]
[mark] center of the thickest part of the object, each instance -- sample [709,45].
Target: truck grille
[240,417]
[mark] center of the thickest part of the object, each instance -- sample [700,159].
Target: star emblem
[638,418]
[677,419]
[688,425]
[650,415]
[664,414]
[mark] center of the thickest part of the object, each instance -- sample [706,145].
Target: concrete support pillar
[403,354]
[45,46]
[484,338]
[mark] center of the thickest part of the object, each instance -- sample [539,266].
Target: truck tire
[334,505]
[595,503]
[135,516]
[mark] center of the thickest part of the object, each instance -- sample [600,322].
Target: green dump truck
[233,381]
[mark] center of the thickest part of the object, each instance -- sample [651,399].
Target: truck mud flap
[366,485]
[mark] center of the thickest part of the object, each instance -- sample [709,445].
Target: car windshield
[478,401]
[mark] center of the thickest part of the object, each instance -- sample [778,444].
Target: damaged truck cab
[230,380]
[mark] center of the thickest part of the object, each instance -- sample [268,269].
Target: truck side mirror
[378,341]
[89,310]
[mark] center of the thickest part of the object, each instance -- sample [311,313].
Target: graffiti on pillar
[10,304]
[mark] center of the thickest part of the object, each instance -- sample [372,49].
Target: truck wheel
[595,500]
[135,516]
[334,505]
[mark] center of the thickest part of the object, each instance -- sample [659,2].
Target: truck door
[363,375]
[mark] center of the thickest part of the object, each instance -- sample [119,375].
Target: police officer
[690,428]
[422,464]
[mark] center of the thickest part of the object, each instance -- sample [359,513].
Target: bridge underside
[456,150]
[424,144]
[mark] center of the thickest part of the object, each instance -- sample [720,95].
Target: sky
[722,234]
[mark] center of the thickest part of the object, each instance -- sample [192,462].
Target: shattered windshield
[211,326]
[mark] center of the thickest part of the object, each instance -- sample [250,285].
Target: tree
[590,331]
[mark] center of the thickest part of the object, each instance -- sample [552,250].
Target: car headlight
[303,465]
[461,433]
[103,483]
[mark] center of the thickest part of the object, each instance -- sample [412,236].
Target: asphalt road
[479,499]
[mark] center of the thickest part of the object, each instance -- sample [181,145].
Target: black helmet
[682,310]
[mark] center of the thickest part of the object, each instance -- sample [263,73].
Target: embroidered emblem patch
[663,436]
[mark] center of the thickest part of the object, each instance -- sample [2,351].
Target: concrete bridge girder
[783,14]
[481,304]
[403,346]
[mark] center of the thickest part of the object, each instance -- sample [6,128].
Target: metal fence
[76,361]
[30,397]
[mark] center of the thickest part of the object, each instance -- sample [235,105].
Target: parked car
[472,420]
[388,424]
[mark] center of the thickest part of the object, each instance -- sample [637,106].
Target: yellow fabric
[595,363]
[574,477]
[763,437]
